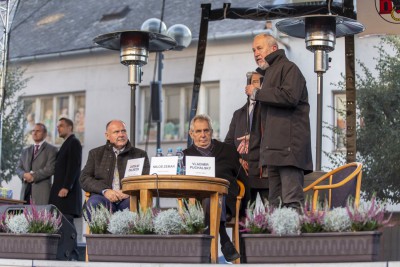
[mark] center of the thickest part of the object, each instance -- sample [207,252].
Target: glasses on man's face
[205,131]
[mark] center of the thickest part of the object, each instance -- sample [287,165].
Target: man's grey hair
[201,117]
[271,41]
[111,121]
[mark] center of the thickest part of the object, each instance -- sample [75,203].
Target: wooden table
[144,187]
[9,201]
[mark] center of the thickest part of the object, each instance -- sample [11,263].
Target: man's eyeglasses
[205,131]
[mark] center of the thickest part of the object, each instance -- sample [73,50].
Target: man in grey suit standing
[36,166]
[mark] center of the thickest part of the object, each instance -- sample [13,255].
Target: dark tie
[28,188]
[36,150]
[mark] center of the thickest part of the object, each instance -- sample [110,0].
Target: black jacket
[239,127]
[66,175]
[227,166]
[285,112]
[98,173]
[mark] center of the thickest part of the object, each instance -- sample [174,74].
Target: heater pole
[319,121]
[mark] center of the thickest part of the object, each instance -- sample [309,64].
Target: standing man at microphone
[245,129]
[286,140]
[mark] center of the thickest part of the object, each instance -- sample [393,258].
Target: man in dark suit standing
[36,166]
[66,193]
[245,127]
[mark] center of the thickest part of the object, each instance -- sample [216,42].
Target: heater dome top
[156,42]
[296,27]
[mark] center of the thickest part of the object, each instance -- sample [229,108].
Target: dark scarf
[205,152]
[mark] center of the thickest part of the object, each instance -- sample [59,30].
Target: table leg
[215,215]
[133,203]
[146,199]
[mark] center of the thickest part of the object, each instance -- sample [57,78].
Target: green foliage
[378,141]
[97,219]
[312,221]
[193,217]
[144,222]
[12,119]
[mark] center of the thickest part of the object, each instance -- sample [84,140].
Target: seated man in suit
[227,166]
[105,168]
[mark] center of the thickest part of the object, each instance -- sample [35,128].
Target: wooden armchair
[342,182]
[234,222]
[87,195]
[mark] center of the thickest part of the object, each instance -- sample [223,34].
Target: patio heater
[320,33]
[134,47]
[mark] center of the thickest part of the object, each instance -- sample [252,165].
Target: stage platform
[41,263]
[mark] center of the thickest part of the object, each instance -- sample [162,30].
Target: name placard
[201,166]
[164,165]
[134,167]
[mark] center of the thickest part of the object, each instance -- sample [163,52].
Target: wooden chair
[87,195]
[234,222]
[342,182]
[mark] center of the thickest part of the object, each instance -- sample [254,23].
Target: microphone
[248,75]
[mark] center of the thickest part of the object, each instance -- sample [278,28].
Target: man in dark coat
[105,168]
[66,193]
[245,125]
[286,141]
[227,166]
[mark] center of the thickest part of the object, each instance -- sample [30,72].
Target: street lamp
[183,37]
[320,33]
[134,47]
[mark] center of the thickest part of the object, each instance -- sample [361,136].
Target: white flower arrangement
[337,220]
[168,222]
[121,222]
[284,221]
[190,220]
[17,224]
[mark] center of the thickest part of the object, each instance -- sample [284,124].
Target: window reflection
[176,111]
[49,110]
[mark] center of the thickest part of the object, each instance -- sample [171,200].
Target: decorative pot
[29,246]
[312,247]
[149,248]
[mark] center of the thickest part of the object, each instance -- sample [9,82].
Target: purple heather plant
[256,220]
[368,216]
[43,221]
[3,226]
[312,221]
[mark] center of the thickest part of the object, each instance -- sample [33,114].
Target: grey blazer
[43,168]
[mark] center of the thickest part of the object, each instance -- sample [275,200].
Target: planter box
[149,248]
[315,247]
[29,246]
